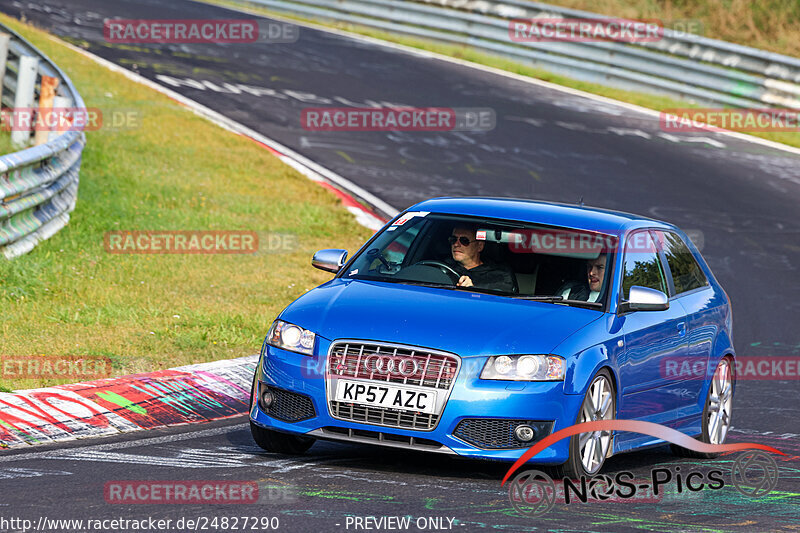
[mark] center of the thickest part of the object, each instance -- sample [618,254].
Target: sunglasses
[452,239]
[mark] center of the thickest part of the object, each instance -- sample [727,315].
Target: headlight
[524,368]
[290,337]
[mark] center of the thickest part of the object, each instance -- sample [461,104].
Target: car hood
[465,323]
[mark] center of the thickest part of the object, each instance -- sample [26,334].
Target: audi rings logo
[397,366]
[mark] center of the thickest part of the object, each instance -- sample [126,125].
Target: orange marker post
[44,121]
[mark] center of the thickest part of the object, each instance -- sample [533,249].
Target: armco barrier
[680,65]
[38,185]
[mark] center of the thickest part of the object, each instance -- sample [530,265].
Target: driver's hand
[464,281]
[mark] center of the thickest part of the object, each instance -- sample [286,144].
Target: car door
[691,289]
[651,338]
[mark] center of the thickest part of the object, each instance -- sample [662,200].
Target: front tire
[588,451]
[275,442]
[716,412]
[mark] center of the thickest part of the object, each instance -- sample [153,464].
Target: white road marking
[574,126]
[519,77]
[626,131]
[302,164]
[359,147]
[766,433]
[676,139]
[149,460]
[124,444]
[221,457]
[17,473]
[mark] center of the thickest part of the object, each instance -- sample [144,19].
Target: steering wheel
[443,266]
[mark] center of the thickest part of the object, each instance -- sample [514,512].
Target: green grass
[772,25]
[176,171]
[650,101]
[5,143]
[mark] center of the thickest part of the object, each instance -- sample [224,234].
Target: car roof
[550,213]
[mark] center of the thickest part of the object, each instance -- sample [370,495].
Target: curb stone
[182,395]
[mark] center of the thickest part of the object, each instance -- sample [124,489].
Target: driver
[474,272]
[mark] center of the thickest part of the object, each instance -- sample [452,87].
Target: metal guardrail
[38,185]
[685,66]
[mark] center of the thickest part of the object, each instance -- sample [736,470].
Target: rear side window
[642,265]
[686,273]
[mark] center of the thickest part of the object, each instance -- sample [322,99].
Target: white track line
[519,77]
[127,443]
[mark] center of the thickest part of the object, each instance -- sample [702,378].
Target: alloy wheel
[598,405]
[719,403]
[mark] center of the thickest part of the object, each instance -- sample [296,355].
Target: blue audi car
[478,326]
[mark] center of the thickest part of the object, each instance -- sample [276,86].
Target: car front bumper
[470,398]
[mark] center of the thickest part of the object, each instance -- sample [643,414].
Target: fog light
[266,399]
[524,433]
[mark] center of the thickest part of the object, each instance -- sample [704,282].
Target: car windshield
[507,258]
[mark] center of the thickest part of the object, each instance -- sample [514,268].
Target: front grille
[401,365]
[384,417]
[362,435]
[436,370]
[290,406]
[498,433]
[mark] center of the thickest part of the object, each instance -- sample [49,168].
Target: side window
[686,273]
[642,265]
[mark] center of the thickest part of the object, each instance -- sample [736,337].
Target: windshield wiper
[480,290]
[423,283]
[581,303]
[405,281]
[562,300]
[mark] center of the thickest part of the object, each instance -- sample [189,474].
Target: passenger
[466,261]
[589,290]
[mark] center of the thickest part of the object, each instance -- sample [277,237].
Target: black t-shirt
[486,275]
[577,290]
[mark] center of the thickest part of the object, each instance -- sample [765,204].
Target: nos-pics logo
[534,493]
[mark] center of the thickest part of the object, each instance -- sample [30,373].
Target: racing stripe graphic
[635,426]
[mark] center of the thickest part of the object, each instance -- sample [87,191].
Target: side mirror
[645,299]
[329,260]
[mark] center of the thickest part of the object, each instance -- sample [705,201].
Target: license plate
[388,396]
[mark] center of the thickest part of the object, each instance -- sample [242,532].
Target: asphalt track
[547,145]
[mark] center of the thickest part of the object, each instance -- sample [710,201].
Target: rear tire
[716,412]
[274,441]
[588,451]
